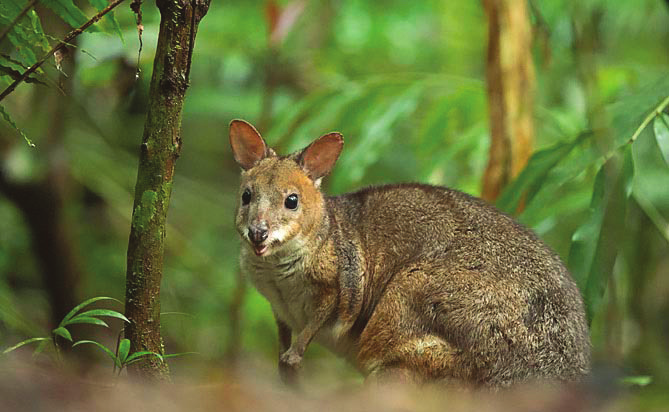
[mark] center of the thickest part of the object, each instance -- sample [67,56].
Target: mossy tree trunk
[160,148]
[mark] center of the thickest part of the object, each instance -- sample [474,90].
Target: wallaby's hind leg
[417,360]
[394,346]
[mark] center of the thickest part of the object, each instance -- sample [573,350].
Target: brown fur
[406,281]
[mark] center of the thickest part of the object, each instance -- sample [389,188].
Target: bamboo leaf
[175,355]
[63,333]
[290,118]
[595,245]
[642,380]
[661,128]
[23,343]
[17,35]
[36,25]
[105,312]
[326,115]
[9,120]
[557,191]
[137,355]
[10,70]
[375,136]
[123,350]
[108,20]
[40,348]
[632,113]
[102,347]
[536,170]
[188,315]
[69,12]
[82,305]
[86,320]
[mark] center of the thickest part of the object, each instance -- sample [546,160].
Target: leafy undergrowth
[25,386]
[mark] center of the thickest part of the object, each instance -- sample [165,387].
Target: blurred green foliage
[404,83]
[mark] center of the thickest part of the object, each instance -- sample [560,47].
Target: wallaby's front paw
[289,363]
[291,359]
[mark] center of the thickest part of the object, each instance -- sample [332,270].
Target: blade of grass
[82,305]
[23,343]
[106,350]
[63,333]
[86,320]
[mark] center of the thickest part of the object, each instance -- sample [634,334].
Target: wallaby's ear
[248,146]
[319,157]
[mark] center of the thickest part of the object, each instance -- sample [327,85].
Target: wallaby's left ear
[319,157]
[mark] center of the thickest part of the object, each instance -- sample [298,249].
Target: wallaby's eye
[246,197]
[291,202]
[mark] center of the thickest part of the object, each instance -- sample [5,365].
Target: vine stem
[649,119]
[74,33]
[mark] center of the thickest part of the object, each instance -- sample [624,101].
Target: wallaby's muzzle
[258,233]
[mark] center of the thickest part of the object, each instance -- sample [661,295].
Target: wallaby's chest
[284,285]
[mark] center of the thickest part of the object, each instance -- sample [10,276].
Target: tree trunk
[510,87]
[161,145]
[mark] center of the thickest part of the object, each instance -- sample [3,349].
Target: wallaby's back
[478,280]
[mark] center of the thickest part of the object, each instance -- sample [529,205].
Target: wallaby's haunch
[407,281]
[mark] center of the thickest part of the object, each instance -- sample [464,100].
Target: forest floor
[25,386]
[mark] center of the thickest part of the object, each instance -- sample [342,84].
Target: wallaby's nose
[258,233]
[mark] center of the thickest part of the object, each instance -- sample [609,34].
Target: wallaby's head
[280,203]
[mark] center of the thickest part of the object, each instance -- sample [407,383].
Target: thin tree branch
[191,42]
[67,39]
[13,23]
[656,112]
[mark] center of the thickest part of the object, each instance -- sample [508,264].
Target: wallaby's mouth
[260,249]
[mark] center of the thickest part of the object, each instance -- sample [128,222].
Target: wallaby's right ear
[248,146]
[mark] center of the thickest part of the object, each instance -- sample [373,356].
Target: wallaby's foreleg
[289,360]
[288,375]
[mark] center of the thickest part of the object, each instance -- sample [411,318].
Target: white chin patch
[317,182]
[279,235]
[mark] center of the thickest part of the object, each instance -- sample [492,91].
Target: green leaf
[325,114]
[375,135]
[137,355]
[17,35]
[188,315]
[174,355]
[536,170]
[595,244]
[123,350]
[69,12]
[290,118]
[642,380]
[82,305]
[559,191]
[108,19]
[63,333]
[105,312]
[36,25]
[661,128]
[23,343]
[86,320]
[103,348]
[628,115]
[13,63]
[7,69]
[40,348]
[9,120]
